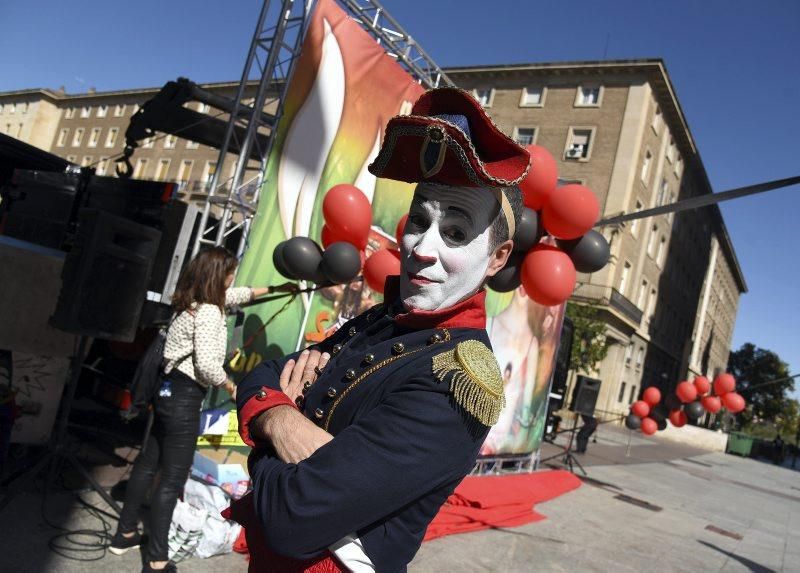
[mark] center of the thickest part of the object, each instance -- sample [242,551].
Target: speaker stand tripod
[569,458]
[61,445]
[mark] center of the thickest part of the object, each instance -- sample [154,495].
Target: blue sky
[733,63]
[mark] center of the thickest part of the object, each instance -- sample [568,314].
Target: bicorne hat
[448,139]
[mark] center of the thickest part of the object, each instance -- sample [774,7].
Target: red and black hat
[449,139]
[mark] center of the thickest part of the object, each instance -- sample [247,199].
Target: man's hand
[293,436]
[303,373]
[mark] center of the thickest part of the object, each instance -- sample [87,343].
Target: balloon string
[701,201]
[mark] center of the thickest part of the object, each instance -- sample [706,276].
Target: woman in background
[194,354]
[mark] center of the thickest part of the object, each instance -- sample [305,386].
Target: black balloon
[302,257]
[279,263]
[661,424]
[633,422]
[341,262]
[694,410]
[508,278]
[672,402]
[589,253]
[528,232]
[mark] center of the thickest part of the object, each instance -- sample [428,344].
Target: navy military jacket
[401,445]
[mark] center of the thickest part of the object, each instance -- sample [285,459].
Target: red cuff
[257,405]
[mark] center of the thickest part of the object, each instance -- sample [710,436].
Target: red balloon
[571,212]
[649,426]
[548,275]
[379,265]
[686,392]
[640,408]
[711,404]
[541,179]
[724,383]
[702,385]
[733,402]
[678,418]
[329,237]
[348,214]
[652,396]
[401,226]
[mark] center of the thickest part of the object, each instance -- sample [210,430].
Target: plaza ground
[653,506]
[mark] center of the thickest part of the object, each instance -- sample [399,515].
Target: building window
[628,354]
[621,392]
[71,158]
[203,107]
[102,166]
[102,110]
[78,137]
[191,144]
[651,241]
[111,138]
[662,247]
[86,111]
[119,110]
[651,304]
[671,151]
[62,137]
[70,113]
[208,172]
[149,142]
[648,158]
[532,96]
[641,298]
[588,96]
[185,170]
[94,137]
[656,123]
[671,214]
[86,161]
[12,108]
[579,143]
[135,109]
[1,108]
[639,358]
[162,169]
[170,141]
[525,135]
[679,167]
[635,222]
[24,107]
[632,396]
[484,96]
[19,131]
[623,278]
[140,169]
[662,192]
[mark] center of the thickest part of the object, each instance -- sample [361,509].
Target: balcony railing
[625,306]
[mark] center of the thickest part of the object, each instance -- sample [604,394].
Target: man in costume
[359,440]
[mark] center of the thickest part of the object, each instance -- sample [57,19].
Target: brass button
[306,385]
[319,413]
[336,348]
[350,374]
[398,348]
[352,331]
[331,392]
[435,337]
[299,401]
[369,358]
[262,395]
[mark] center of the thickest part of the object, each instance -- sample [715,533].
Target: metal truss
[273,52]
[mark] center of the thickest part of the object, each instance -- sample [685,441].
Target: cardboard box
[222,466]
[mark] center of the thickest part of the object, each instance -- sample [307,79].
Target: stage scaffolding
[273,52]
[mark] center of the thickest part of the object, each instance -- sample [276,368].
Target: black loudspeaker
[558,388]
[105,277]
[584,396]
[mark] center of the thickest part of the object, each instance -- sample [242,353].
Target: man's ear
[499,258]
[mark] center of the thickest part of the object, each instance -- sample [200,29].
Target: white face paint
[445,248]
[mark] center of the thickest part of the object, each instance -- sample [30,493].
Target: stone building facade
[670,293]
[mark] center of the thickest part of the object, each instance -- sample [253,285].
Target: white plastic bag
[185,531]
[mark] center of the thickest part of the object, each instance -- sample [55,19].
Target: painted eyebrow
[463,212]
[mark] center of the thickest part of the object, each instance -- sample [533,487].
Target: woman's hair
[203,279]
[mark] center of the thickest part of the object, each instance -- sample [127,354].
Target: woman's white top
[196,340]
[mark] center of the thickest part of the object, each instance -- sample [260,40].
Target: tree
[589,343]
[754,368]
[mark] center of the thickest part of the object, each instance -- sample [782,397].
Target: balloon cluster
[689,402]
[567,213]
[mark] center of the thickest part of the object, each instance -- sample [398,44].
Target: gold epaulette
[475,381]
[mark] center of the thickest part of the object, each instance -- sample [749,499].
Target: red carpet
[481,502]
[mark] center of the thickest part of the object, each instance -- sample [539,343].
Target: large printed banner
[344,90]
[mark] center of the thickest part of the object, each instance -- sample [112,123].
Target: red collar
[469,313]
